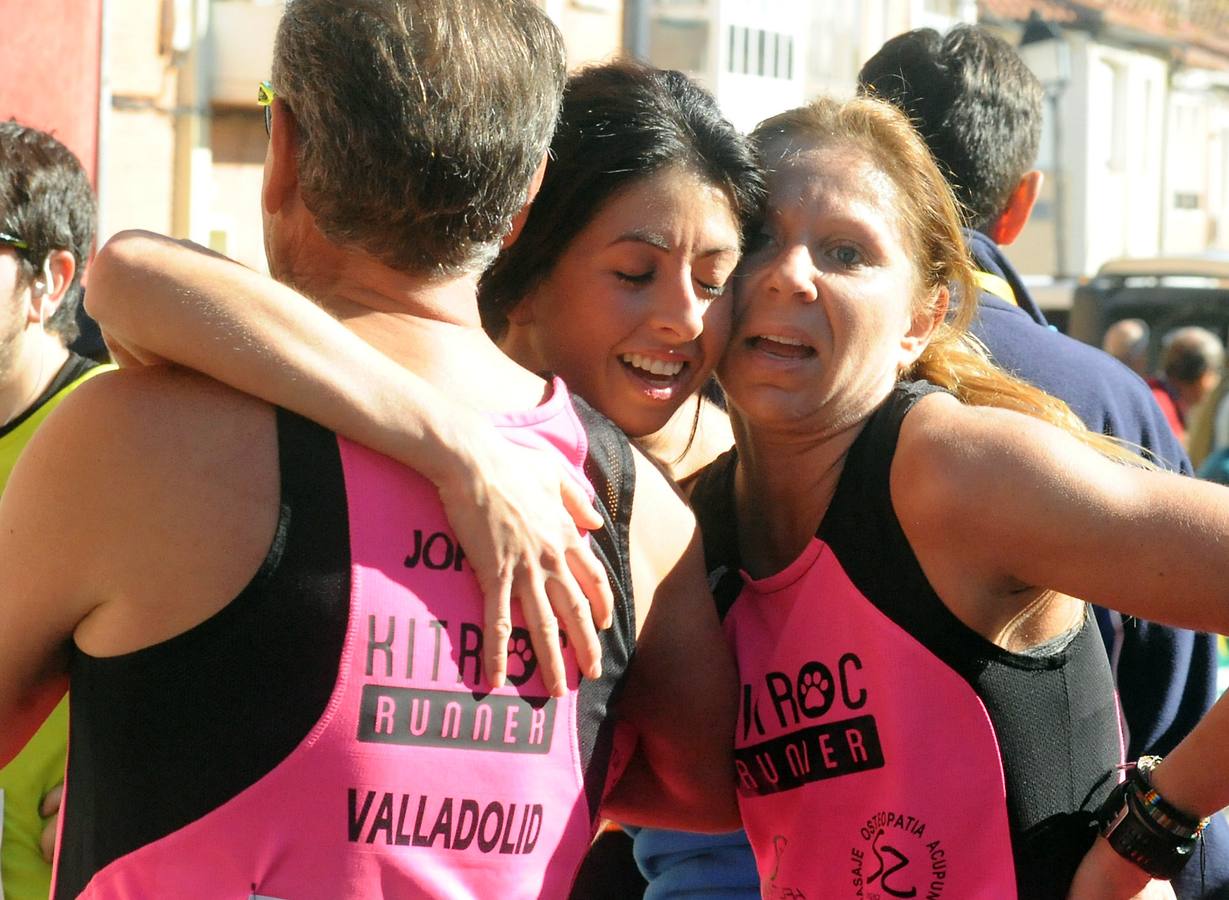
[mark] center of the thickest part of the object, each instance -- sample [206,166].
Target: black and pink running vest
[883,748]
[328,733]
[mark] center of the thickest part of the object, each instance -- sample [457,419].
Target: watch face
[1133,833]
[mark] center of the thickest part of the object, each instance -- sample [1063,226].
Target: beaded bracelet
[1163,813]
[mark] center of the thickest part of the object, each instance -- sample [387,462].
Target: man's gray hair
[420,122]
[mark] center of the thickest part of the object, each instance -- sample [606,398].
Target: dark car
[1165,292]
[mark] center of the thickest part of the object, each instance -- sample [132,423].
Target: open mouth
[780,346]
[661,374]
[653,369]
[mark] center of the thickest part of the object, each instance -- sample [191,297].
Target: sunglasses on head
[265,96]
[11,240]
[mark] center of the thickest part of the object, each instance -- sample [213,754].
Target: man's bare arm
[162,300]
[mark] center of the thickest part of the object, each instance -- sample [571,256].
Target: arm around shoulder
[160,299]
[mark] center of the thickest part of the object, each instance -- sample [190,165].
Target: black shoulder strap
[612,472]
[864,533]
[869,464]
[712,499]
[247,685]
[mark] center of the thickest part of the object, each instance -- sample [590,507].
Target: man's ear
[923,327]
[51,284]
[1011,221]
[518,221]
[1209,380]
[281,161]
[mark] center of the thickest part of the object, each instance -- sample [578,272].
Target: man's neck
[34,368]
[347,282]
[429,325]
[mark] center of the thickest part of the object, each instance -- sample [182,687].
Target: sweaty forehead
[829,174]
[663,205]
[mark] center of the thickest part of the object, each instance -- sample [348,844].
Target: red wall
[49,70]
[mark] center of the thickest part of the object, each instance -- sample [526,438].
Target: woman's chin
[641,413]
[641,424]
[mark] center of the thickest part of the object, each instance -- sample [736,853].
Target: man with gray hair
[275,650]
[1191,361]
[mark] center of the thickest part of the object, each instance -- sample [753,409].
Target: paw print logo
[816,689]
[522,662]
[815,681]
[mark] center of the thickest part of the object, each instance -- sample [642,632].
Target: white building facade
[1136,142]
[1135,149]
[760,57]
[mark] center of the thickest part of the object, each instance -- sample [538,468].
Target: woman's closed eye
[639,278]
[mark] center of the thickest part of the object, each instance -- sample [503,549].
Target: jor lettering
[447,823]
[437,550]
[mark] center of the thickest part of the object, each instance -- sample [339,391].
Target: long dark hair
[620,122]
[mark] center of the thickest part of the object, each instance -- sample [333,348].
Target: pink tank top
[415,782]
[847,788]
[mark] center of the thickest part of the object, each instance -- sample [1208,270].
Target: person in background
[978,107]
[1127,341]
[276,652]
[1191,362]
[46,234]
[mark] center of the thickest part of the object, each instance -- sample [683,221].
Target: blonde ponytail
[958,362]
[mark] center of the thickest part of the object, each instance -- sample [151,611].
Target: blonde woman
[926,708]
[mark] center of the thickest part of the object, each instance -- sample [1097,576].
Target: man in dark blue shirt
[979,108]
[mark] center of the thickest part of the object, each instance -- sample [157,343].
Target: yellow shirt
[24,874]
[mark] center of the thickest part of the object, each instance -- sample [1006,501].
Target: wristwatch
[1144,828]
